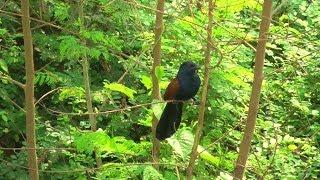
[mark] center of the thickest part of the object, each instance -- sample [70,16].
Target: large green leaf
[159,71]
[150,173]
[99,140]
[182,142]
[157,108]
[146,81]
[120,88]
[3,66]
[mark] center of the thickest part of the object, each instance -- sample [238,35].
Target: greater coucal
[182,88]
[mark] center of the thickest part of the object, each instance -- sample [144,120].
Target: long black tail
[169,121]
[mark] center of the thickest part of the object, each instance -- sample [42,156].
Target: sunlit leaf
[292,147]
[159,71]
[157,108]
[3,66]
[146,81]
[150,173]
[120,88]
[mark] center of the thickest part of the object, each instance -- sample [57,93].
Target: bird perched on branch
[182,88]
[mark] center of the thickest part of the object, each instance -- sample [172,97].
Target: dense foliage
[119,43]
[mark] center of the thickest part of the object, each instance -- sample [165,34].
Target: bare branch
[207,59]
[105,166]
[14,103]
[156,55]
[256,90]
[46,94]
[39,148]
[12,81]
[106,112]
[40,21]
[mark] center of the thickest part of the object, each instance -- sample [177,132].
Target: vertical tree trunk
[86,81]
[156,90]
[256,89]
[41,8]
[207,69]
[29,92]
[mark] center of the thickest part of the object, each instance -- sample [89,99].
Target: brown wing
[172,90]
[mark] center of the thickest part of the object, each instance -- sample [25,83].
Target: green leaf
[95,36]
[87,142]
[3,31]
[164,84]
[182,142]
[120,88]
[159,71]
[94,53]
[315,112]
[292,147]
[170,175]
[146,81]
[224,176]
[3,66]
[157,108]
[61,11]
[205,155]
[71,48]
[150,173]
[4,116]
[71,92]
[106,55]
[147,121]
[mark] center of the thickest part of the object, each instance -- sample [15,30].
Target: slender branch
[109,3]
[45,66]
[106,112]
[256,90]
[41,8]
[39,148]
[215,48]
[12,81]
[220,58]
[119,55]
[274,153]
[40,21]
[221,137]
[178,174]
[207,59]
[158,11]
[14,103]
[4,4]
[258,163]
[125,73]
[156,55]
[89,169]
[46,94]
[86,79]
[135,60]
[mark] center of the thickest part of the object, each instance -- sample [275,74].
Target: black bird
[182,88]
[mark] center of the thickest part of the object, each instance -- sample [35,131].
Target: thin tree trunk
[29,92]
[194,153]
[41,8]
[156,90]
[86,81]
[256,89]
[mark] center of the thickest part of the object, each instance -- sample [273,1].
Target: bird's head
[188,67]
